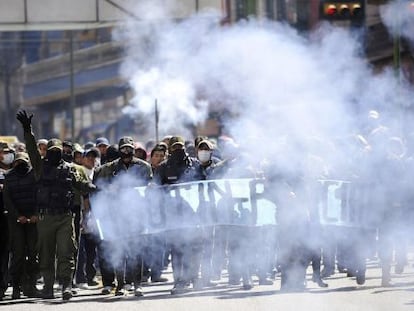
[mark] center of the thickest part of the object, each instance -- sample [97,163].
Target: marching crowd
[47,228]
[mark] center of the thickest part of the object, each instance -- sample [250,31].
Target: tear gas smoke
[299,105]
[398,16]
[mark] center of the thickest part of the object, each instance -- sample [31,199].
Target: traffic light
[342,10]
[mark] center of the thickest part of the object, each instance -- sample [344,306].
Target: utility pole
[72,103]
[397,42]
[11,58]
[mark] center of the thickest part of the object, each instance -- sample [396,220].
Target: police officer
[128,165]
[178,168]
[20,201]
[6,160]
[56,181]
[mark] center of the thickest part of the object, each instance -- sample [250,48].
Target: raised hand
[24,119]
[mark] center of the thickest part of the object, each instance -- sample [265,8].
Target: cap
[93,152]
[138,145]
[42,142]
[4,146]
[207,143]
[67,143]
[126,141]
[88,145]
[198,139]
[166,138]
[176,140]
[78,148]
[54,143]
[22,156]
[161,145]
[102,141]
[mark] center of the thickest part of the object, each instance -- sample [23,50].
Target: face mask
[204,156]
[178,155]
[53,157]
[22,168]
[8,158]
[126,152]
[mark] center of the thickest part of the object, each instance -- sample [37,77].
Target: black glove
[24,119]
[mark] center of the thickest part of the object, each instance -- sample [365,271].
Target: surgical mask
[204,156]
[8,158]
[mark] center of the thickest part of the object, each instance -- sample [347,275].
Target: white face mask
[204,155]
[8,158]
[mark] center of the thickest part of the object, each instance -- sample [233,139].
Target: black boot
[67,290]
[16,292]
[30,290]
[360,277]
[47,293]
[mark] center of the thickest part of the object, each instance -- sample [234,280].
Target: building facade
[71,80]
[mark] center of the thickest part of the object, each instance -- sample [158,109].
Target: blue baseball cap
[102,141]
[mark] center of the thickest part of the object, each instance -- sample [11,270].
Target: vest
[55,192]
[23,192]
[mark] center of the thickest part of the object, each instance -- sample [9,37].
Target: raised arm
[35,159]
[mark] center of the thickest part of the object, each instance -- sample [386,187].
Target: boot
[32,292]
[49,280]
[47,293]
[360,277]
[16,292]
[67,289]
[29,289]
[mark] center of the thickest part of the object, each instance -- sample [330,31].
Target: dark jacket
[169,172]
[20,194]
[56,184]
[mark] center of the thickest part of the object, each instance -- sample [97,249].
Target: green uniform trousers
[56,240]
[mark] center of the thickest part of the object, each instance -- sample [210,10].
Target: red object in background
[331,10]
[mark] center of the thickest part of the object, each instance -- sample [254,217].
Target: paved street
[342,294]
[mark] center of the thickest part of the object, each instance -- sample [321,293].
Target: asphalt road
[342,294]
